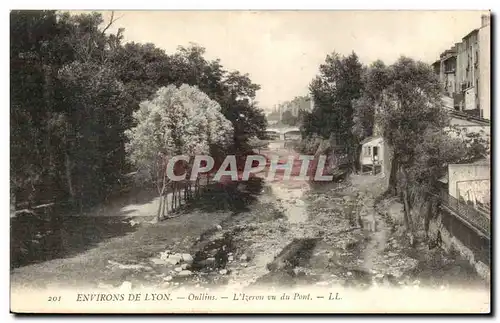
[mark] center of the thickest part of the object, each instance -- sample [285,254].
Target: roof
[482,161]
[469,34]
[468,117]
[371,138]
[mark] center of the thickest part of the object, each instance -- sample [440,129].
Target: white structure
[373,154]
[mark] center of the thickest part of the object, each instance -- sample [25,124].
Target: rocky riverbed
[342,237]
[288,234]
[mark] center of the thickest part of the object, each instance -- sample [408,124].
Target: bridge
[283,133]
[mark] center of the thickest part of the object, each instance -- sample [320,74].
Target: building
[464,71]
[374,157]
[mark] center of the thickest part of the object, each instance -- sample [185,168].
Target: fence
[474,218]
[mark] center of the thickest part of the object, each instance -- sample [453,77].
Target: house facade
[374,157]
[464,71]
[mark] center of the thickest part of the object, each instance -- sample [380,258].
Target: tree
[333,91]
[436,150]
[375,80]
[288,118]
[50,53]
[410,107]
[91,129]
[177,121]
[66,68]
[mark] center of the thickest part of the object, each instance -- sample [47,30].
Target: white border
[192,5]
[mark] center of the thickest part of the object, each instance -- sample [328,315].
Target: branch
[111,22]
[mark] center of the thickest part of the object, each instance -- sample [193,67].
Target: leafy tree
[289,119]
[91,136]
[74,88]
[177,121]
[410,107]
[436,150]
[333,91]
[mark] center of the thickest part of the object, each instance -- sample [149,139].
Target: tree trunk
[357,162]
[159,214]
[165,204]
[407,205]
[393,180]
[352,158]
[427,218]
[180,195]
[174,197]
[69,177]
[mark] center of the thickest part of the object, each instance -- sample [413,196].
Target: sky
[282,50]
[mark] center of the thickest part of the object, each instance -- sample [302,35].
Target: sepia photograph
[240,161]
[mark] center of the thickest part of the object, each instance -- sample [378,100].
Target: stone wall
[457,236]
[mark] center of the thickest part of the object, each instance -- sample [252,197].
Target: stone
[230,258]
[174,259]
[210,261]
[243,257]
[171,261]
[165,284]
[185,273]
[185,266]
[379,276]
[392,254]
[158,261]
[218,227]
[349,273]
[187,258]
[168,278]
[178,269]
[244,264]
[175,256]
[223,271]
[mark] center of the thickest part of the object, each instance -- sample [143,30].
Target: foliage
[177,121]
[289,119]
[375,79]
[412,120]
[74,89]
[333,91]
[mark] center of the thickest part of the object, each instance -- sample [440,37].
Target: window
[367,152]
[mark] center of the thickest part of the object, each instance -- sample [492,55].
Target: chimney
[485,20]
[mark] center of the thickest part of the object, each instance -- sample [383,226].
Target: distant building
[298,104]
[464,71]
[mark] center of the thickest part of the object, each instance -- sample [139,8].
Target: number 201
[54,298]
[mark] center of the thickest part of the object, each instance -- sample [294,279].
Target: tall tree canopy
[74,89]
[333,91]
[177,121]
